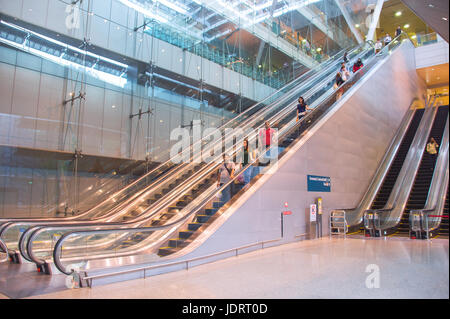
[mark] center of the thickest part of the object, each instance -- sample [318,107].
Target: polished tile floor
[324,268]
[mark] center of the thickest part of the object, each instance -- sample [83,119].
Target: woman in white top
[345,74]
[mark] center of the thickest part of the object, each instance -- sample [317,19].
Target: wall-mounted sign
[319,183]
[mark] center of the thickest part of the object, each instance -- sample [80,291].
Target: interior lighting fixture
[398,13]
[406,26]
[357,25]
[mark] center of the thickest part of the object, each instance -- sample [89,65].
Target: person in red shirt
[266,135]
[358,65]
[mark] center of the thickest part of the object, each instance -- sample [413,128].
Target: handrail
[35,233]
[57,249]
[90,278]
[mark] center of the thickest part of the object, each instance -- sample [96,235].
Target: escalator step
[218,204]
[177,243]
[210,211]
[165,251]
[203,218]
[194,226]
[186,234]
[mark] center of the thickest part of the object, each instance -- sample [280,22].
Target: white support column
[375,18]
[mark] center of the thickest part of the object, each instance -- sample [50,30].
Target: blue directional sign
[319,183]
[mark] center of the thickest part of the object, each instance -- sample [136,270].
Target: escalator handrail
[57,248]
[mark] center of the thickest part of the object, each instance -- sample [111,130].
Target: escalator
[202,210]
[420,189]
[167,201]
[394,170]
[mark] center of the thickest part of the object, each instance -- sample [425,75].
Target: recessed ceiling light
[406,26]
[444,18]
[357,25]
[413,36]
[430,5]
[398,13]
[113,106]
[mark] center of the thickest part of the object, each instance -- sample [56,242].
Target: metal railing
[89,279]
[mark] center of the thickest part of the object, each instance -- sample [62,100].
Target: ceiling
[435,76]
[432,12]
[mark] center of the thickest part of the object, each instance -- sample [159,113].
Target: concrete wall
[347,148]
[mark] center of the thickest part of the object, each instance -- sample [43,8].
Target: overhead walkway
[110,245]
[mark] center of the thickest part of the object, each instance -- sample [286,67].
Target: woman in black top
[302,107]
